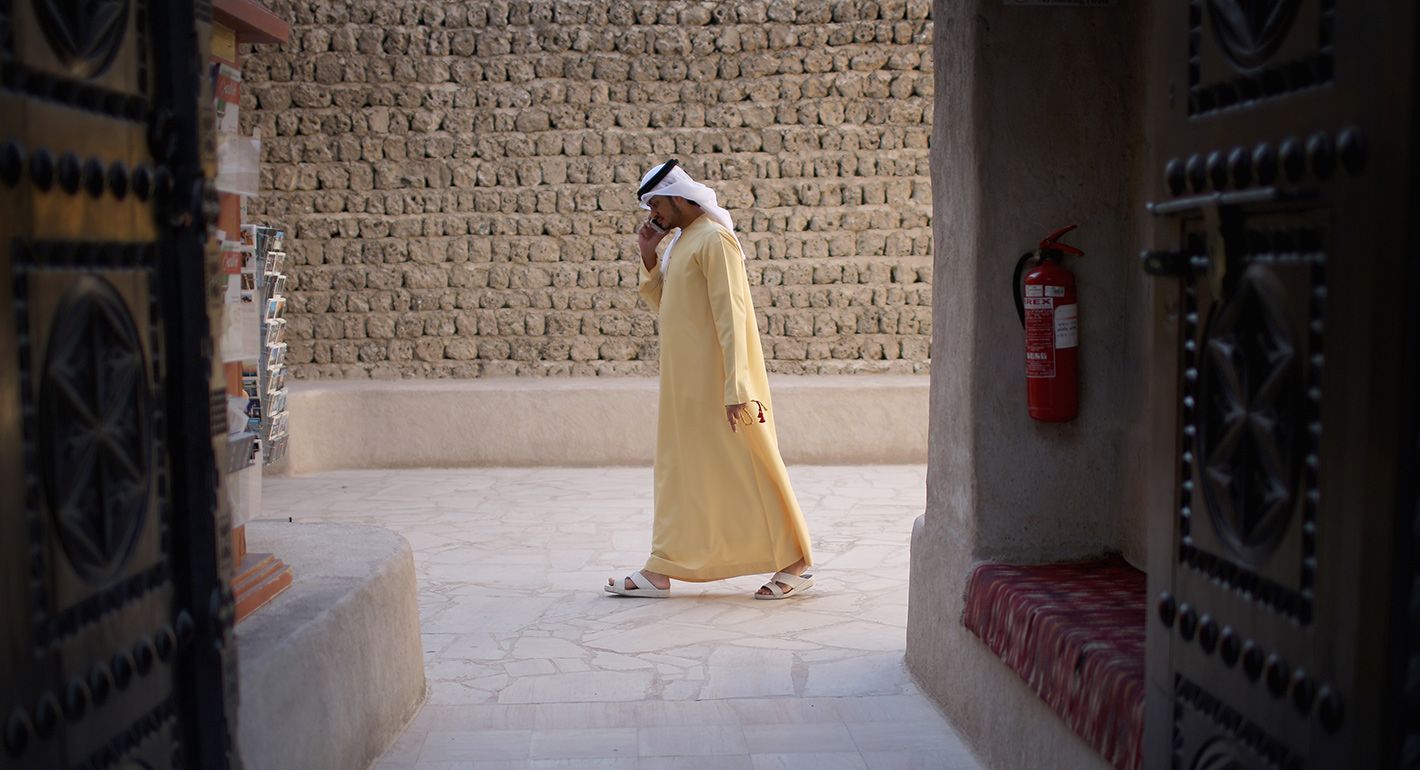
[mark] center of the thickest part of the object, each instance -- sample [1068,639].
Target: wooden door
[116,646]
[1284,226]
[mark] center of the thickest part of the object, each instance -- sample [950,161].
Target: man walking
[724,506]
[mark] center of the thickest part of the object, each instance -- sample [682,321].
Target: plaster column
[1032,130]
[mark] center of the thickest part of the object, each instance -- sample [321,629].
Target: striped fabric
[1075,634]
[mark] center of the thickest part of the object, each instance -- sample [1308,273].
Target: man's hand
[647,238]
[733,413]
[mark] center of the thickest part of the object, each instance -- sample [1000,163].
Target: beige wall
[457,179]
[1033,133]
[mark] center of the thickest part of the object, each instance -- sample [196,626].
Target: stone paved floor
[531,665]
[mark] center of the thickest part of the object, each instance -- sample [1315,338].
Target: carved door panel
[115,649]
[1282,203]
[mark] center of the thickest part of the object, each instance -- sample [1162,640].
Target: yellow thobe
[724,506]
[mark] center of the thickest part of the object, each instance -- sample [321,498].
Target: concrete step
[333,668]
[821,420]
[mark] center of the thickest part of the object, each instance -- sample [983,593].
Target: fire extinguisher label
[1040,337]
[1055,291]
[1034,290]
[1067,326]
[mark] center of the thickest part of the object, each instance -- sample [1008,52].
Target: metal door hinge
[1171,264]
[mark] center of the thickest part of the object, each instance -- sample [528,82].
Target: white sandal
[644,587]
[797,585]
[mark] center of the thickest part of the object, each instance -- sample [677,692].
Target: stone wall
[457,179]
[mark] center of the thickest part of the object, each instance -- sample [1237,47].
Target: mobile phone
[655,226]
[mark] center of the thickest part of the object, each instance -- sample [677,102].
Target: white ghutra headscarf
[669,179]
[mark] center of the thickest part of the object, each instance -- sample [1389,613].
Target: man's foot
[796,569]
[658,580]
[641,583]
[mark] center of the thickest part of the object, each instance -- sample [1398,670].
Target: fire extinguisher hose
[1016,286]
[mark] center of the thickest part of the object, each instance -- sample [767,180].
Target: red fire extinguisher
[1049,312]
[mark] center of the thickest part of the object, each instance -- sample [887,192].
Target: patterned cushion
[1075,633]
